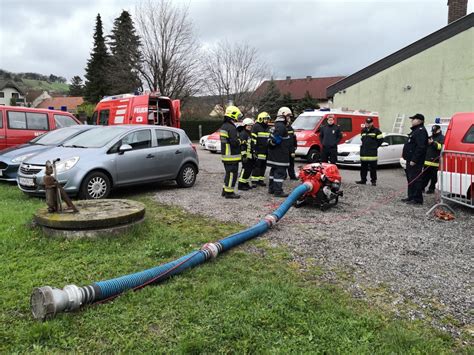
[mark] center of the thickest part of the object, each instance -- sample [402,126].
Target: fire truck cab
[148,108]
[308,123]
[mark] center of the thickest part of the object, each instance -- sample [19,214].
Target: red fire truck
[148,108]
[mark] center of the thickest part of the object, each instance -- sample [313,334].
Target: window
[388,140]
[469,137]
[93,120]
[138,140]
[28,120]
[37,121]
[164,137]
[1,119]
[399,139]
[64,121]
[15,95]
[345,124]
[104,117]
[2,94]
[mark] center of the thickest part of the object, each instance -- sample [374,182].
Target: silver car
[93,163]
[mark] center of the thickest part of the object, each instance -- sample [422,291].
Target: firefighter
[230,150]
[293,145]
[260,135]
[330,135]
[246,151]
[435,144]
[279,153]
[371,138]
[414,152]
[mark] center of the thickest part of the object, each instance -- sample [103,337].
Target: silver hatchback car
[93,163]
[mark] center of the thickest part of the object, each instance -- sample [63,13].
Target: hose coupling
[271,220]
[211,250]
[46,301]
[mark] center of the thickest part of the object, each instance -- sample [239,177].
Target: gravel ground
[375,246]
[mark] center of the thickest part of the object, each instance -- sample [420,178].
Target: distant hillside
[34,81]
[60,88]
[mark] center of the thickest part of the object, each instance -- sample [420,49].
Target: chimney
[308,78]
[288,78]
[457,9]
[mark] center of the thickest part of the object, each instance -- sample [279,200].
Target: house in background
[298,88]
[10,90]
[433,76]
[64,103]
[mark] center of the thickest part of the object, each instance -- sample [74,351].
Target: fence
[456,179]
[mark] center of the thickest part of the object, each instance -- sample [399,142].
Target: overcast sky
[296,38]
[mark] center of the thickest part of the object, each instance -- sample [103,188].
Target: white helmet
[283,111]
[248,122]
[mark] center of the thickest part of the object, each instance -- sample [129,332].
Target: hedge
[192,127]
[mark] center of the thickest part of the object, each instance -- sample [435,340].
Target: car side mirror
[384,144]
[125,148]
[347,141]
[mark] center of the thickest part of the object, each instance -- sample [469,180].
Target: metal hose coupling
[309,184]
[46,301]
[211,250]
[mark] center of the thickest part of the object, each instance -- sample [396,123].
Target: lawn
[251,299]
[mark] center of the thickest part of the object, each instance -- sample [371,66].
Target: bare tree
[233,72]
[170,49]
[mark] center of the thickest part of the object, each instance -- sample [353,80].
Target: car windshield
[55,137]
[306,123]
[355,140]
[96,138]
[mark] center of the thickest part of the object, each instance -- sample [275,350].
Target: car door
[397,147]
[384,151]
[138,164]
[169,152]
[3,134]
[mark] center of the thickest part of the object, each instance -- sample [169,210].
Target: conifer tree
[77,87]
[270,100]
[125,58]
[97,67]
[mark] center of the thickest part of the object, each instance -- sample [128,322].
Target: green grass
[45,85]
[249,300]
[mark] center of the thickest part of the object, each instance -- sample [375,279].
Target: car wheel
[96,185]
[187,176]
[313,156]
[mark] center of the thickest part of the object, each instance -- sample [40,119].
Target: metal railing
[455,179]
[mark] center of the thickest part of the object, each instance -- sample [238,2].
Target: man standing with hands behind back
[330,136]
[414,152]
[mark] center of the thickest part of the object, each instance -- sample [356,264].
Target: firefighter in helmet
[246,150]
[260,135]
[435,144]
[279,153]
[230,150]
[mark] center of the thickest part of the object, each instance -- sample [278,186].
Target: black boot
[243,187]
[223,193]
[361,182]
[232,195]
[261,183]
[280,194]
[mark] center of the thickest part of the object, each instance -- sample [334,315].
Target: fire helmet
[233,112]
[284,111]
[248,122]
[263,116]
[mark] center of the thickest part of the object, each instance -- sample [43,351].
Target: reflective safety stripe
[277,163]
[224,134]
[270,178]
[380,136]
[231,176]
[263,134]
[438,145]
[254,140]
[291,132]
[254,134]
[227,149]
[431,163]
[262,156]
[235,158]
[278,180]
[371,134]
[226,189]
[368,158]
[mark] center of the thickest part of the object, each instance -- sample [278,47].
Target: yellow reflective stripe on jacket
[368,158]
[263,134]
[261,156]
[227,149]
[224,134]
[438,145]
[431,163]
[254,134]
[231,158]
[380,136]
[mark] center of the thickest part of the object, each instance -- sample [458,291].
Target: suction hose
[46,301]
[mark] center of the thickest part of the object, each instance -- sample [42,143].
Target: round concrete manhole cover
[93,215]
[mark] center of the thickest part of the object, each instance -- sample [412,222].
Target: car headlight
[301,142]
[65,165]
[22,157]
[354,154]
